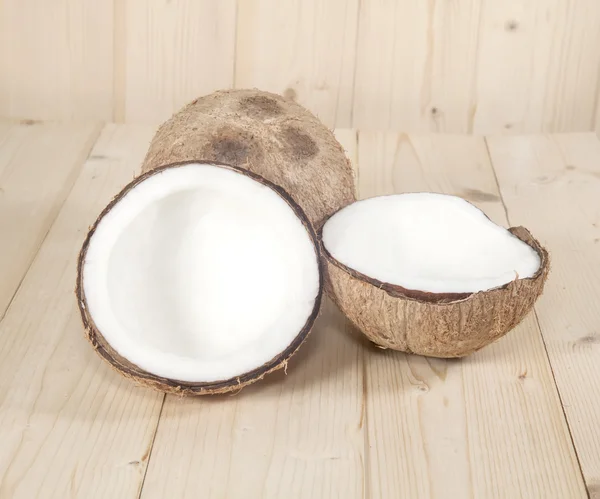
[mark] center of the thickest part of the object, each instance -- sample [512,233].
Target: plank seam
[355,72]
[162,405]
[86,151]
[541,334]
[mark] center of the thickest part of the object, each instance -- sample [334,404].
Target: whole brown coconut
[265,134]
[434,324]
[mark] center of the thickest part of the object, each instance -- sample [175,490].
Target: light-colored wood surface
[520,418]
[552,184]
[497,402]
[457,66]
[169,53]
[38,166]
[56,59]
[69,425]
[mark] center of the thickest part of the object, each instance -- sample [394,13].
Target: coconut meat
[200,273]
[427,242]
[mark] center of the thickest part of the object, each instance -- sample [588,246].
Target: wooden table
[521,418]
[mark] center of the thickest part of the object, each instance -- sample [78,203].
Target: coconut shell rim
[163,384]
[396,291]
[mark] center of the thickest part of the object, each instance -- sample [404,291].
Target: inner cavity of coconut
[200,273]
[427,242]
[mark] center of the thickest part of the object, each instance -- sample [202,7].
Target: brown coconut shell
[265,134]
[434,324]
[142,377]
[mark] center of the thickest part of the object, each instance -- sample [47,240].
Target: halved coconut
[266,134]
[199,278]
[430,273]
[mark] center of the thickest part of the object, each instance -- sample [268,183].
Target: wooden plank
[304,49]
[489,425]
[56,59]
[416,65]
[69,425]
[294,435]
[538,54]
[174,51]
[551,185]
[38,165]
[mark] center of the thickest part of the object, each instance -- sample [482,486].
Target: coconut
[265,134]
[199,278]
[429,273]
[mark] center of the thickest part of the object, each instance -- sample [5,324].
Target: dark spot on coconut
[135,463]
[479,196]
[523,375]
[233,146]
[570,167]
[29,122]
[298,144]
[508,126]
[434,111]
[98,156]
[596,240]
[511,25]
[260,106]
[290,94]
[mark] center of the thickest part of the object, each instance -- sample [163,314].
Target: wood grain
[38,166]
[69,426]
[416,65]
[295,435]
[540,54]
[304,49]
[490,425]
[173,52]
[552,185]
[455,66]
[56,59]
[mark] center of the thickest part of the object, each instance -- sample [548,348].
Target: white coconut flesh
[427,242]
[200,273]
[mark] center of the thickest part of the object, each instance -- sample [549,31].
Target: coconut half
[430,273]
[199,278]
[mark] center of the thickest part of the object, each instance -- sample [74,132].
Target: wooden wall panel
[170,53]
[304,49]
[537,66]
[56,59]
[451,66]
[416,64]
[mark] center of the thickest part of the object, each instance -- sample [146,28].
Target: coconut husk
[265,134]
[142,377]
[434,324]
